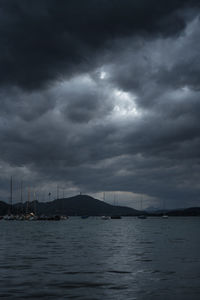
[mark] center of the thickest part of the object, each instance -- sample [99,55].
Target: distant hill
[81,205]
[73,206]
[192,211]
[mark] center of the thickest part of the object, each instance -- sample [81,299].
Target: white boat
[9,217]
[165,216]
[64,217]
[142,217]
[105,217]
[31,217]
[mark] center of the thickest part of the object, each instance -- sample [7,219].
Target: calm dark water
[97,259]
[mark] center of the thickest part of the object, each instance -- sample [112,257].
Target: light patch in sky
[181,94]
[185,89]
[126,199]
[125,105]
[103,75]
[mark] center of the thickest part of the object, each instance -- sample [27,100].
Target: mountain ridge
[86,205]
[72,206]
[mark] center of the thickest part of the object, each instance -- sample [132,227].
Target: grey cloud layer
[43,40]
[164,74]
[101,95]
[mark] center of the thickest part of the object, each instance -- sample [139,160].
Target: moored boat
[105,217]
[165,216]
[142,217]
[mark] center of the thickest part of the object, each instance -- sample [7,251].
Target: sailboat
[10,216]
[164,216]
[30,215]
[105,217]
[142,216]
[115,217]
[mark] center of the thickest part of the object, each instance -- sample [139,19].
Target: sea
[97,259]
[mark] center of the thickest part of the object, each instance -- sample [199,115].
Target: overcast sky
[101,95]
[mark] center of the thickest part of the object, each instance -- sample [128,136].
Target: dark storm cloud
[101,95]
[45,40]
[164,75]
[83,100]
[39,128]
[27,106]
[150,68]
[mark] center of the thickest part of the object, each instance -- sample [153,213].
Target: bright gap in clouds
[124,104]
[103,75]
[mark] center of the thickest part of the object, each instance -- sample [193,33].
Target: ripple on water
[127,260]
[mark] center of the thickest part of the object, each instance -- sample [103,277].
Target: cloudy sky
[101,95]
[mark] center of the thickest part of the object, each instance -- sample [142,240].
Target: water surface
[101,259]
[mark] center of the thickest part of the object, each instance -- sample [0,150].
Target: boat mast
[104,196]
[57,192]
[27,206]
[11,196]
[35,210]
[21,196]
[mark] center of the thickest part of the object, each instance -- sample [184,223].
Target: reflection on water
[96,259]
